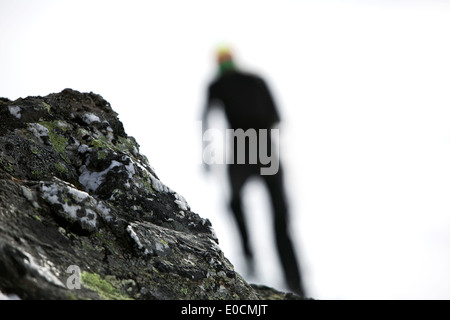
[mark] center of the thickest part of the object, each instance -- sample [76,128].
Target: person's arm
[270,105]
[207,109]
[205,125]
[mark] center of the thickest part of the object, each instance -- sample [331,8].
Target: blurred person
[249,107]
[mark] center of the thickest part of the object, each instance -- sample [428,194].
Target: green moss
[117,191]
[107,242]
[102,287]
[34,150]
[101,154]
[61,168]
[147,182]
[126,144]
[148,186]
[46,106]
[37,173]
[82,132]
[59,144]
[71,296]
[6,166]
[87,246]
[122,145]
[101,142]
[52,125]
[58,141]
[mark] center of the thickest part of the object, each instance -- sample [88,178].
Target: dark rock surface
[84,216]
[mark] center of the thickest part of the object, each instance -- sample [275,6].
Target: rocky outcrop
[83,215]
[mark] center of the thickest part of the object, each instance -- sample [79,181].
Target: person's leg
[284,244]
[237,177]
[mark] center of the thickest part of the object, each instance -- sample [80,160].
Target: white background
[363,88]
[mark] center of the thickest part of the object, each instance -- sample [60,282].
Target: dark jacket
[246,100]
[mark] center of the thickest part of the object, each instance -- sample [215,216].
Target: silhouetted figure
[248,104]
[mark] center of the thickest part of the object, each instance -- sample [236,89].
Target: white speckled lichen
[75,206]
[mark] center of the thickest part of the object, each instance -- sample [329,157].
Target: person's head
[225,60]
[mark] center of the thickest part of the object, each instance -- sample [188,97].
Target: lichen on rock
[76,191]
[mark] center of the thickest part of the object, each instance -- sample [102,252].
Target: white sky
[363,87]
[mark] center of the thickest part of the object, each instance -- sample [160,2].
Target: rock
[83,215]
